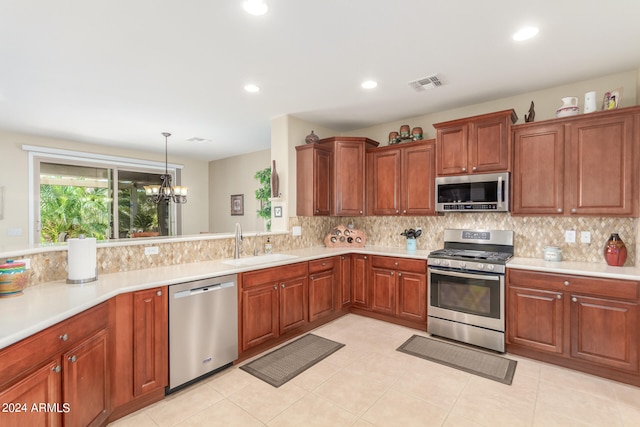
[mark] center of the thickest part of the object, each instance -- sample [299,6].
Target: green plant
[262,195]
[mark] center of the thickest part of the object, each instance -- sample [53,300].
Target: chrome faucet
[236,253]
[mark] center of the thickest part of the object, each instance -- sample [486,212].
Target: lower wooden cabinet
[323,288]
[344,282]
[139,327]
[586,323]
[360,281]
[65,367]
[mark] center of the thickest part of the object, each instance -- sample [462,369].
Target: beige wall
[15,180]
[235,175]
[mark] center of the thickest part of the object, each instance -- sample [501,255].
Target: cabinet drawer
[613,288]
[22,356]
[321,265]
[404,264]
[274,274]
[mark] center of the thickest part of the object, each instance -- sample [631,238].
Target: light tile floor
[369,383]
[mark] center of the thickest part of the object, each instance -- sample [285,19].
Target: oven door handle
[464,275]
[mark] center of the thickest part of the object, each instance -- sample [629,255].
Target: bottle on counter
[267,246]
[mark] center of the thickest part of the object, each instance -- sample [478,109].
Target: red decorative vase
[615,252]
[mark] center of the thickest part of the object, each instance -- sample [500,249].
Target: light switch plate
[585,237]
[152,250]
[296,230]
[570,236]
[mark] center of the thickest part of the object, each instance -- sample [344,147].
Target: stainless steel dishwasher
[203,328]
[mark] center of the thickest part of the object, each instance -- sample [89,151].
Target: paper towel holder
[83,280]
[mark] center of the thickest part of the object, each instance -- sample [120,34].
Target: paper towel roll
[81,260]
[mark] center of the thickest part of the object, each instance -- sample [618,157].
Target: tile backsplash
[532,234]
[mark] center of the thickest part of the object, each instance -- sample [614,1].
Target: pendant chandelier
[164,191]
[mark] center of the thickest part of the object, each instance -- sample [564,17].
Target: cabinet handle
[574,299]
[365,257]
[559,296]
[399,274]
[392,273]
[159,293]
[64,337]
[464,169]
[57,369]
[72,359]
[275,287]
[559,210]
[474,168]
[312,278]
[566,283]
[282,285]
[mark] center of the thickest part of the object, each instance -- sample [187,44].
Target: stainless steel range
[466,287]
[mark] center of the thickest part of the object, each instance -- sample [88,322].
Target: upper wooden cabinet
[478,144]
[400,179]
[581,165]
[332,170]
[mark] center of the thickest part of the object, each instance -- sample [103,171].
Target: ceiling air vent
[428,82]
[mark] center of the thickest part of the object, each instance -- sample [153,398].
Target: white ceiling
[120,72]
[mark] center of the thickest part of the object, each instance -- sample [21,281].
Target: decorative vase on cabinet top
[615,252]
[569,107]
[312,138]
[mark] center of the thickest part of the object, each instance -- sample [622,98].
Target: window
[96,196]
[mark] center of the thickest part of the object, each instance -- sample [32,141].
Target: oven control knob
[446,262]
[490,267]
[480,266]
[463,264]
[435,262]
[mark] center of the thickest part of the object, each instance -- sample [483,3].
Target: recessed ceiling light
[255,7]
[252,88]
[525,33]
[369,84]
[198,140]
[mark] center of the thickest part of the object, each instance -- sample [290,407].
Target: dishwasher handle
[203,289]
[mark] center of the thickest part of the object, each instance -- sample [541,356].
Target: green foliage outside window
[263,194]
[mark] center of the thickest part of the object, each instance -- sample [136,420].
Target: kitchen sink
[260,259]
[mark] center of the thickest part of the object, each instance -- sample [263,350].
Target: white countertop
[46,304]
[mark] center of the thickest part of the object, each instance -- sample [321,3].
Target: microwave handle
[500,200]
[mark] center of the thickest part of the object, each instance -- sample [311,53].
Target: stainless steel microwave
[473,193]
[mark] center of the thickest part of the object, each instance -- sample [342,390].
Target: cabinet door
[321,294]
[537,179]
[293,304]
[383,182]
[452,150]
[259,315]
[605,332]
[348,164]
[489,144]
[150,329]
[535,319]
[360,281]
[40,387]
[321,182]
[383,289]
[600,173]
[345,281]
[412,296]
[418,179]
[85,388]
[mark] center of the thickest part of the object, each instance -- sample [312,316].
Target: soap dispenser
[267,246]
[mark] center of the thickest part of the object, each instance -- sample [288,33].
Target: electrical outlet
[570,236]
[152,250]
[585,237]
[296,230]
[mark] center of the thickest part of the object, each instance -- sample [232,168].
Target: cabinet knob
[474,168]
[404,211]
[57,369]
[317,210]
[397,211]
[574,299]
[399,274]
[275,287]
[559,296]
[360,212]
[159,293]
[392,273]
[324,263]
[566,283]
[282,285]
[64,337]
[312,278]
[464,169]
[559,210]
[72,359]
[365,257]
[574,210]
[395,263]
[342,257]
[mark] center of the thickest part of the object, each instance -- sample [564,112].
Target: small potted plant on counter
[411,235]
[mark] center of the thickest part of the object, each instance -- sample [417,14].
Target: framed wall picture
[277,211]
[237,204]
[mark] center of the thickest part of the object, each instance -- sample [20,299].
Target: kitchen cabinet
[400,179]
[479,144]
[581,322]
[345,180]
[313,182]
[582,165]
[399,288]
[65,366]
[274,301]
[344,281]
[360,281]
[139,327]
[322,288]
